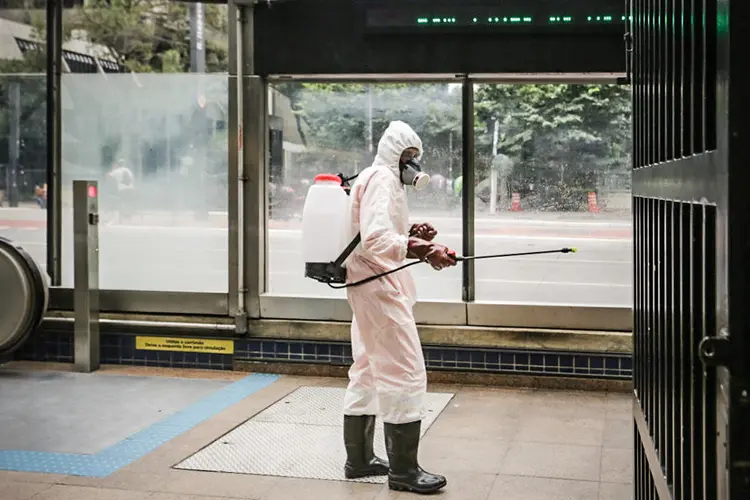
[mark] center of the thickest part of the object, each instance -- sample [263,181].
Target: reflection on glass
[335,128]
[23,131]
[559,159]
[145,114]
[157,145]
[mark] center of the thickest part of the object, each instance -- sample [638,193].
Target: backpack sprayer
[324,226]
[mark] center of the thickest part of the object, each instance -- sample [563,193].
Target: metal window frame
[55,64]
[467,312]
[246,295]
[476,78]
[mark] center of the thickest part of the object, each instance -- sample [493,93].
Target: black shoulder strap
[348,250]
[352,244]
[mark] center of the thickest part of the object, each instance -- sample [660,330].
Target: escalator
[24,296]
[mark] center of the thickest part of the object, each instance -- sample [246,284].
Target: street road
[186,256]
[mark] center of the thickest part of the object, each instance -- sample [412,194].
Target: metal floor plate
[298,436]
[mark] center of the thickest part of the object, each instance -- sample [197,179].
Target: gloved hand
[425,231]
[437,255]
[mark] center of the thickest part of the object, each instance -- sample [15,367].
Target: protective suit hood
[396,138]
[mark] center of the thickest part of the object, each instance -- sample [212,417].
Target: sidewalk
[605,224]
[491,443]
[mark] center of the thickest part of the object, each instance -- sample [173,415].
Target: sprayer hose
[458,259]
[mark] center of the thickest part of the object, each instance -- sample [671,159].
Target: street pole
[493,172]
[14,141]
[450,155]
[368,130]
[198,65]
[197,45]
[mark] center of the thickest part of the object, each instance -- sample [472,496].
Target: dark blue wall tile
[478,359]
[536,361]
[581,362]
[268,347]
[120,349]
[566,360]
[551,362]
[492,357]
[282,350]
[309,349]
[521,360]
[432,355]
[627,363]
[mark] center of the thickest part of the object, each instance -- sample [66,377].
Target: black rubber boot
[359,432]
[405,474]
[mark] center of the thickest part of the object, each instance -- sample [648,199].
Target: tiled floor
[123,405]
[492,444]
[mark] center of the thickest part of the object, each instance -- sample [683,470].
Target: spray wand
[518,254]
[457,258]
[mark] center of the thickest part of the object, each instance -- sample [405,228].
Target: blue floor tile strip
[132,448]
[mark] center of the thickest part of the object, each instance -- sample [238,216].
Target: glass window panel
[150,125]
[23,128]
[559,155]
[331,128]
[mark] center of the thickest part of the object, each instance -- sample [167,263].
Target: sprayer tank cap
[328,178]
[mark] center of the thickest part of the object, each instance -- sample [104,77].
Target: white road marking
[529,222]
[510,282]
[296,234]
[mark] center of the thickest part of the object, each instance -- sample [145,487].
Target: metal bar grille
[674,311]
[674,126]
[674,95]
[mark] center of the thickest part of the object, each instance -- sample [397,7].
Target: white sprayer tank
[324,221]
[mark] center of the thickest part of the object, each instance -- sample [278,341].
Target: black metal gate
[691,362]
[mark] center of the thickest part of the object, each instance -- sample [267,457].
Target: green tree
[562,140]
[150,35]
[565,139]
[144,36]
[335,116]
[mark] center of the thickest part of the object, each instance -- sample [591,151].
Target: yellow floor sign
[184,345]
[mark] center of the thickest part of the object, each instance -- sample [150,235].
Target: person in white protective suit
[388,376]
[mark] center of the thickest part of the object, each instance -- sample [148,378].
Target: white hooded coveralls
[388,376]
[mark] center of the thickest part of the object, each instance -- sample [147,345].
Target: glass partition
[145,112]
[157,145]
[335,128]
[23,129]
[149,122]
[559,158]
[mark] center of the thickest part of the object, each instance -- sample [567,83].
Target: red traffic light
[92,191]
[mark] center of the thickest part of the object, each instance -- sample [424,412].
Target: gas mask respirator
[412,175]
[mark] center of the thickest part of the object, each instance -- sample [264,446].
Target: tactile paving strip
[299,436]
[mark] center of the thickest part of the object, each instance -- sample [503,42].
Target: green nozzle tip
[574,249]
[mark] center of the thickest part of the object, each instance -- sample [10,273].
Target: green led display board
[507,17]
[489,21]
[439,37]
